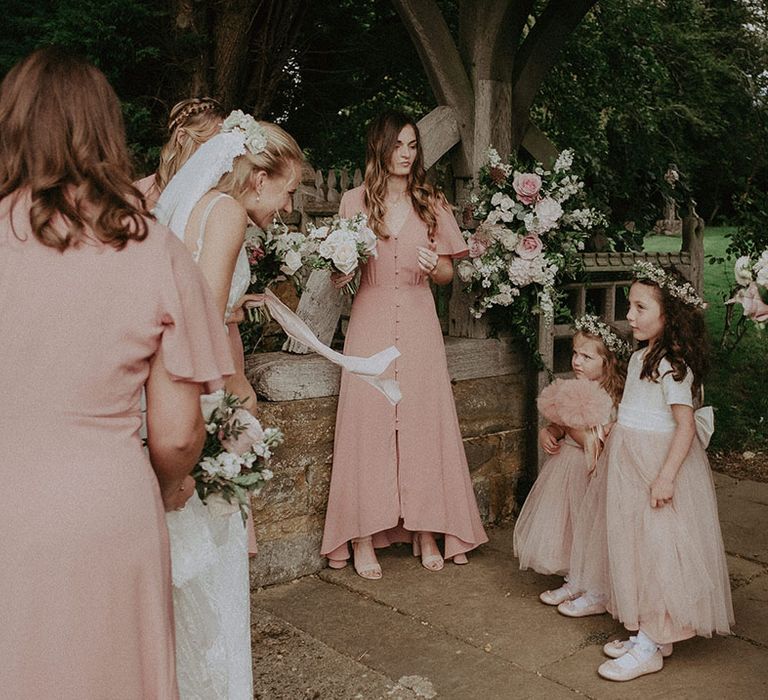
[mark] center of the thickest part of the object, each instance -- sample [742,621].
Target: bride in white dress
[248,171]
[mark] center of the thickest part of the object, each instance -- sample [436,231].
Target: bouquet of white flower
[342,246]
[236,452]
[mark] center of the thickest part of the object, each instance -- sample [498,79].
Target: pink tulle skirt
[544,528]
[663,569]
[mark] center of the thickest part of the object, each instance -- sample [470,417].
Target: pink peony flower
[575,403]
[477,245]
[529,247]
[251,434]
[753,305]
[527,187]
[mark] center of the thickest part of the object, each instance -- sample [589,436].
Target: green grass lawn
[737,386]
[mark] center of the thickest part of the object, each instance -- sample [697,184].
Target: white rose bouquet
[235,456]
[274,255]
[533,227]
[342,246]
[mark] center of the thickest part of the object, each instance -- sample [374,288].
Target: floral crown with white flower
[594,326]
[684,291]
[255,134]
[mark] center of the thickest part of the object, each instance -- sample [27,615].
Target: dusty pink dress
[85,590]
[148,187]
[400,469]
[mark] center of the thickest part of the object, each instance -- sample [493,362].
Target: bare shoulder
[229,211]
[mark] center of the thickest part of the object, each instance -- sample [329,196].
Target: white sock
[645,643]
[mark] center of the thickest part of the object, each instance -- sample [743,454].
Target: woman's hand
[549,443]
[428,258]
[247,301]
[339,281]
[662,491]
[176,494]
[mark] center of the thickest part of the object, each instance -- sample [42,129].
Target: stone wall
[492,386]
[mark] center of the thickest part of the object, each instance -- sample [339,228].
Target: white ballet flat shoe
[631,665]
[578,608]
[618,648]
[559,595]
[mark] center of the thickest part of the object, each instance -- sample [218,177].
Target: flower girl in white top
[652,534]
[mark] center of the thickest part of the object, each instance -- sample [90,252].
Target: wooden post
[693,243]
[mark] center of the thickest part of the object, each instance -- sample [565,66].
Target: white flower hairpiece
[255,134]
[592,325]
[684,291]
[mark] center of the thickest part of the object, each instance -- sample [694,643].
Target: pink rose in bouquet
[477,244]
[527,187]
[529,247]
[251,433]
[752,303]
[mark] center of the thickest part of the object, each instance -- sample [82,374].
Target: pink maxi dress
[400,469]
[85,585]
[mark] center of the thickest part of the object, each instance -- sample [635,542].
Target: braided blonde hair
[191,123]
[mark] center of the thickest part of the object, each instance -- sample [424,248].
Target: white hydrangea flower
[564,161]
[519,272]
[465,270]
[742,270]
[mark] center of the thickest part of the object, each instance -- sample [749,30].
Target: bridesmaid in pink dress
[399,472]
[96,301]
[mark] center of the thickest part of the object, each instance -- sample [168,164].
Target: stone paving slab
[397,645]
[722,668]
[750,604]
[289,664]
[488,602]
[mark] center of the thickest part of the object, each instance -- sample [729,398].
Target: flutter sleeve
[448,235]
[194,346]
[676,392]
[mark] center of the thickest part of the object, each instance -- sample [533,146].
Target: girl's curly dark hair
[684,340]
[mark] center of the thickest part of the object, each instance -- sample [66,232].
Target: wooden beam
[446,73]
[439,132]
[320,307]
[537,143]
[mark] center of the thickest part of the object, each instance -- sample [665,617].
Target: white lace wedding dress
[211,587]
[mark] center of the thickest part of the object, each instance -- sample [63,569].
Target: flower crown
[255,134]
[592,325]
[684,291]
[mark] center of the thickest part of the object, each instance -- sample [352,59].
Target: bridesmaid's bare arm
[175,432]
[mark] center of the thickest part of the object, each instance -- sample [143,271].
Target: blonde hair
[614,367]
[382,141]
[197,119]
[281,150]
[77,170]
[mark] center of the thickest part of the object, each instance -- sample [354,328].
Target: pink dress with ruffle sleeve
[85,587]
[400,469]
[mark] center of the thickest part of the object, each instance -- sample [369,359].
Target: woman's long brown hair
[382,141]
[62,141]
[684,340]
